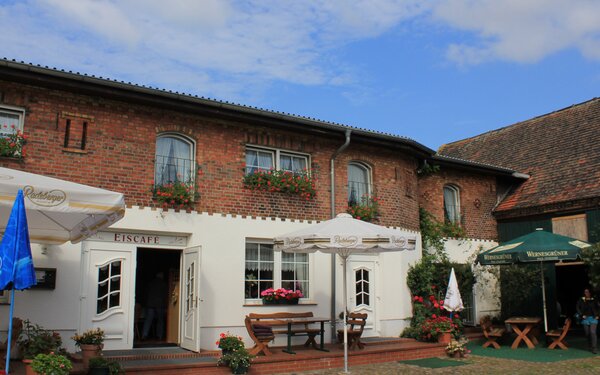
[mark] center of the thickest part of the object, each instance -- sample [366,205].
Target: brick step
[378,350]
[157,354]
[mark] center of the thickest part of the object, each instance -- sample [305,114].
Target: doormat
[433,362]
[577,349]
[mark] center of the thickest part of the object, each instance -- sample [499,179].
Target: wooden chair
[356,324]
[490,333]
[558,335]
[16,333]
[261,335]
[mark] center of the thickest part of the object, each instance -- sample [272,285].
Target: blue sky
[432,70]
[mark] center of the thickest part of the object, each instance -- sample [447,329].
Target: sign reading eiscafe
[139,238]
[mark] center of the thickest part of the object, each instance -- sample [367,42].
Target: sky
[435,71]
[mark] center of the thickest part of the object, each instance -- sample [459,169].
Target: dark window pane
[366,299]
[115,284]
[102,305]
[116,268]
[102,273]
[266,275]
[115,299]
[102,289]
[365,275]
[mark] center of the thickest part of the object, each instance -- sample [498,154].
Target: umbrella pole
[10,327]
[344,259]
[544,297]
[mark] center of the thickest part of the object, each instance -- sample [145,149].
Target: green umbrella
[538,246]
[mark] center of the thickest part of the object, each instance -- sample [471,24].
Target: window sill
[74,150]
[260,304]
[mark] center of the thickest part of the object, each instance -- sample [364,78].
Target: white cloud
[236,48]
[521,30]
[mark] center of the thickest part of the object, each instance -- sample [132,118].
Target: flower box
[301,184]
[366,210]
[12,145]
[283,301]
[176,194]
[280,296]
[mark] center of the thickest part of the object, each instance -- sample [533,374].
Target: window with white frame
[451,204]
[175,160]
[359,182]
[362,285]
[109,286]
[266,268]
[259,159]
[11,120]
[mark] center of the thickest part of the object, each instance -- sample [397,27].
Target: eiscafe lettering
[547,254]
[135,238]
[43,198]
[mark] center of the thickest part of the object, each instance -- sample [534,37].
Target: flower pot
[28,368]
[270,302]
[293,301]
[445,337]
[88,352]
[239,369]
[99,371]
[456,355]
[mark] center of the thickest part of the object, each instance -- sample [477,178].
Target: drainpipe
[332,172]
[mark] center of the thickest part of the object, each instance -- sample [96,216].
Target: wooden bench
[491,333]
[261,329]
[356,323]
[558,335]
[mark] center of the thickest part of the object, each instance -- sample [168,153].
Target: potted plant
[229,343]
[103,366]
[457,348]
[36,340]
[438,328]
[51,364]
[280,296]
[238,361]
[91,343]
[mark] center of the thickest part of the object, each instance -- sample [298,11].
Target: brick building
[217,253]
[135,139]
[560,152]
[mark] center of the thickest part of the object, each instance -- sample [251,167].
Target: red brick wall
[120,146]
[477,199]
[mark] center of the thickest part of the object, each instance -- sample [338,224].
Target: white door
[190,286]
[361,290]
[106,299]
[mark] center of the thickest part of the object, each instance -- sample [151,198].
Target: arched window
[174,159]
[359,182]
[451,204]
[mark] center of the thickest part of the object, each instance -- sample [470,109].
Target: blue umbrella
[16,265]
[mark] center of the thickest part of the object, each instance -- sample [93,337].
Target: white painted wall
[486,288]
[222,304]
[56,309]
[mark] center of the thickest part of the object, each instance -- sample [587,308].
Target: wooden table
[290,333]
[522,326]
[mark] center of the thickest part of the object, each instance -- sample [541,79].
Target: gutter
[333,273]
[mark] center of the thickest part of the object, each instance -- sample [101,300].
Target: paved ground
[479,365]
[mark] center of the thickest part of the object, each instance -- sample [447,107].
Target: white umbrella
[453,302]
[344,236]
[59,211]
